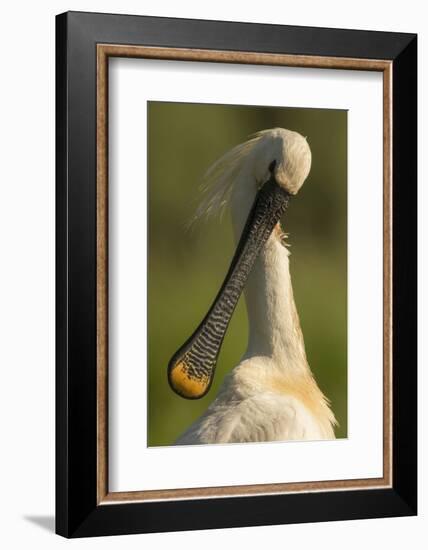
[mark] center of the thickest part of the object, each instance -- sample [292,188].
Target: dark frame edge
[404,203]
[205,514]
[61,266]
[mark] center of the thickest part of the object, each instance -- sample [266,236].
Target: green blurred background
[186,267]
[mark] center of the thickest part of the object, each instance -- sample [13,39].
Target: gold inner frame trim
[104,51]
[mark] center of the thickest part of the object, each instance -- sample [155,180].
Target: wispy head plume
[218,181]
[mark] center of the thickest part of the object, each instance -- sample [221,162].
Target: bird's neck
[274,327]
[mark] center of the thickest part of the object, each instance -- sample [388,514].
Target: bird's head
[260,176]
[280,154]
[283,154]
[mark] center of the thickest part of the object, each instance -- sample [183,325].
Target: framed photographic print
[236,274]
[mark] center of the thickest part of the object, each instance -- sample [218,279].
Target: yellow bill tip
[185,384]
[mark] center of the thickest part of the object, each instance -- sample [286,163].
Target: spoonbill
[271,395]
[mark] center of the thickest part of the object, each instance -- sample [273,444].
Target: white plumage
[271,394]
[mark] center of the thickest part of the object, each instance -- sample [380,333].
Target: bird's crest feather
[219,179]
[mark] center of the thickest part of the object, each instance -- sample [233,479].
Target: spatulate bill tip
[185,383]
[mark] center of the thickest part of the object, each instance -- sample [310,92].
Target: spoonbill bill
[271,395]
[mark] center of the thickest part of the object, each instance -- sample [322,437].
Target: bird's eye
[272,166]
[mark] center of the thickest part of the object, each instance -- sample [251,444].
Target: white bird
[271,395]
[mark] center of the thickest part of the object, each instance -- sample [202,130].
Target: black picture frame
[77,511]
